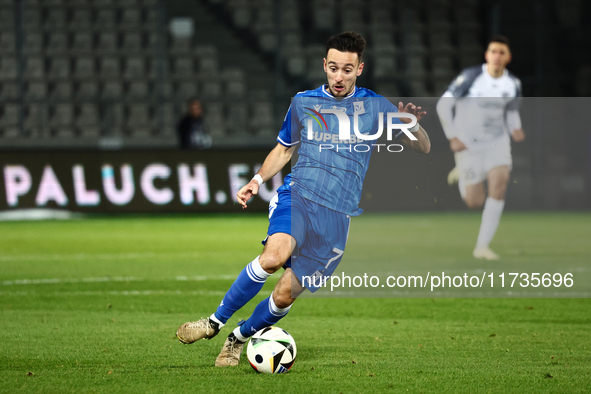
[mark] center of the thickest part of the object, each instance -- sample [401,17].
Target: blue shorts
[320,234]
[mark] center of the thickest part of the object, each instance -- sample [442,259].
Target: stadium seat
[211,89]
[139,122]
[241,15]
[127,3]
[59,68]
[151,18]
[113,115]
[7,18]
[387,88]
[131,42]
[36,91]
[35,120]
[32,43]
[180,45]
[442,67]
[8,69]
[103,3]
[9,120]
[324,18]
[88,120]
[131,18]
[112,90]
[61,91]
[9,91]
[135,68]
[214,118]
[235,89]
[107,43]
[31,18]
[261,120]
[440,86]
[153,43]
[109,67]
[165,120]
[415,66]
[7,42]
[296,63]
[61,121]
[440,43]
[34,67]
[57,44]
[104,19]
[185,90]
[87,90]
[138,91]
[384,65]
[82,43]
[183,67]
[55,18]
[208,65]
[80,19]
[84,68]
[238,118]
[417,88]
[412,41]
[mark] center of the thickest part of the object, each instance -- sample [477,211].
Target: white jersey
[480,110]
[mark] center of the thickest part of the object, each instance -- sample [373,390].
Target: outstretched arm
[423,143]
[274,162]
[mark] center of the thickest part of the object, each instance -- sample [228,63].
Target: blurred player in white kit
[479,114]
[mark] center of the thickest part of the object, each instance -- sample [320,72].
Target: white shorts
[473,167]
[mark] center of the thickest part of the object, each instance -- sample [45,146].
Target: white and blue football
[271,350]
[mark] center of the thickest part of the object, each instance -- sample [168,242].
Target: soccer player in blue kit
[310,216]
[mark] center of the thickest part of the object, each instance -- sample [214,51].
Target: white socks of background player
[491,217]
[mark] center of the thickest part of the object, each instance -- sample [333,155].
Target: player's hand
[518,135]
[456,145]
[410,108]
[246,192]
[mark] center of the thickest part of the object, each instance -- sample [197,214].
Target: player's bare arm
[518,135]
[423,143]
[275,161]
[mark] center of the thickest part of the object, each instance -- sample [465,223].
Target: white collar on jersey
[485,72]
[330,95]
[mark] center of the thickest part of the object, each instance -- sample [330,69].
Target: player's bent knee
[272,260]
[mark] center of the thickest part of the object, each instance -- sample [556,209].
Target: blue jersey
[330,171]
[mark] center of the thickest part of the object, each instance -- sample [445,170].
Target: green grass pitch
[92,306]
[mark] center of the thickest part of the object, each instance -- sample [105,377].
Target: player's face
[342,70]
[497,56]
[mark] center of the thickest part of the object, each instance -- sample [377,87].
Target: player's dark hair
[500,39]
[348,41]
[192,100]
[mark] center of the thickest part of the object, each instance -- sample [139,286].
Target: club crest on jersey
[358,108]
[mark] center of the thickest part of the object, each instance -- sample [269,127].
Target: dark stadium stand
[117,73]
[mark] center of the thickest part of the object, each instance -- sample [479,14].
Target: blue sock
[265,314]
[247,285]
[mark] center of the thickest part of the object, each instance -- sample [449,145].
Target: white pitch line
[92,256]
[44,281]
[122,293]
